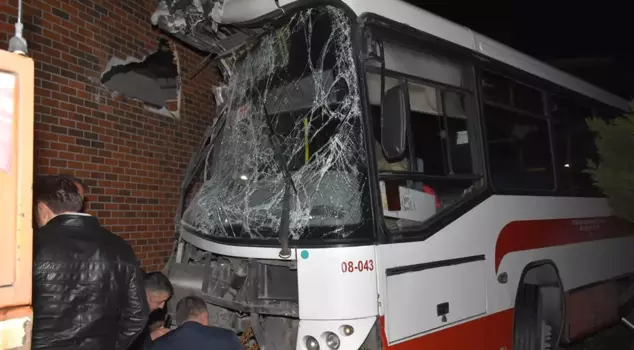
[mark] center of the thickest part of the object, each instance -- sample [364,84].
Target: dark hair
[75,180]
[157,318]
[59,194]
[189,307]
[157,282]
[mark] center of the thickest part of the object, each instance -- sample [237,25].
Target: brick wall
[132,159]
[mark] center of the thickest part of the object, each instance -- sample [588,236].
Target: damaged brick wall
[132,158]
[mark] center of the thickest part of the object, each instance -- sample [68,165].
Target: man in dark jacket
[194,332]
[87,284]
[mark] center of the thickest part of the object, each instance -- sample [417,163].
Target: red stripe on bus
[534,234]
[493,331]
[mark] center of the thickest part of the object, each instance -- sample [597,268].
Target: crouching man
[158,290]
[194,331]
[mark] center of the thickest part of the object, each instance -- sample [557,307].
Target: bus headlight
[311,343]
[347,330]
[332,340]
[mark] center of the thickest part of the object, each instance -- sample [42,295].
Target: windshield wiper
[284,231]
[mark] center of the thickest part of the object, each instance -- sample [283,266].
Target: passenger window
[439,128]
[518,136]
[528,99]
[519,150]
[422,64]
[503,91]
[574,146]
[441,148]
[496,89]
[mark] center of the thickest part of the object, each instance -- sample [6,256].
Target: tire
[531,331]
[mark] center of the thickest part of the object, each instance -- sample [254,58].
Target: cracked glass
[297,86]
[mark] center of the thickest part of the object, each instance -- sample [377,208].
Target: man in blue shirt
[194,331]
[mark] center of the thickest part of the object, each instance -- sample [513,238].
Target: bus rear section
[381,178]
[16,175]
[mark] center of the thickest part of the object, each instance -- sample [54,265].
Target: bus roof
[424,21]
[229,12]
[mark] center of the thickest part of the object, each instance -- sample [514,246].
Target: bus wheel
[538,311]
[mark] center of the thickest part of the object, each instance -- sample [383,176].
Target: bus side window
[519,151]
[518,138]
[575,145]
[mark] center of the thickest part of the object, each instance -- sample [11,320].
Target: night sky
[593,40]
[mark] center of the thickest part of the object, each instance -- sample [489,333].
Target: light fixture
[332,340]
[311,343]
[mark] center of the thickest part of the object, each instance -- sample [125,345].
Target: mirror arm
[382,53]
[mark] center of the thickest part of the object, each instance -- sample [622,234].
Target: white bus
[381,178]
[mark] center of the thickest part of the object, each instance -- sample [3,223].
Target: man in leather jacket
[87,284]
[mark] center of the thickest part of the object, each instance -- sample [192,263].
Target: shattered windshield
[298,83]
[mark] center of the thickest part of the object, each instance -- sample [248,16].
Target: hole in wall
[154,80]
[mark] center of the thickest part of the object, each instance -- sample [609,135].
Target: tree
[614,172]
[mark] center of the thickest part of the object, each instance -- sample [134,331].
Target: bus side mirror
[394,117]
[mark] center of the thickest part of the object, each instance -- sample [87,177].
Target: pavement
[615,338]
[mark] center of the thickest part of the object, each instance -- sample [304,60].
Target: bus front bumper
[325,333]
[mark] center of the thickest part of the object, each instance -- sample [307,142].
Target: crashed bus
[378,177]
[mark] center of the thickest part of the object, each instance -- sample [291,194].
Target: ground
[616,338]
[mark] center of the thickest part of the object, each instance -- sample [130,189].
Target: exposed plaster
[132,85]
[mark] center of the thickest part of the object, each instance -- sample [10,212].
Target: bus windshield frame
[297,84]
